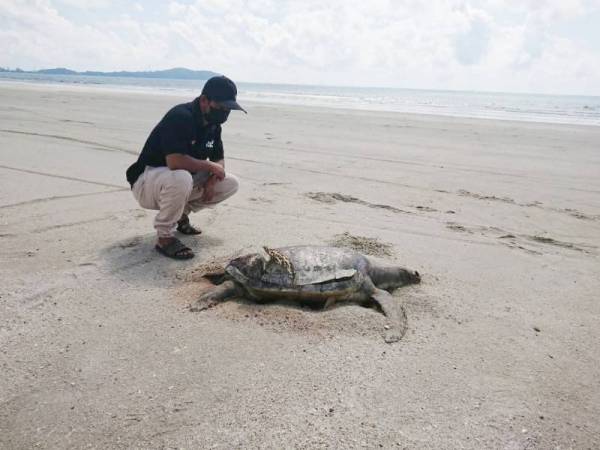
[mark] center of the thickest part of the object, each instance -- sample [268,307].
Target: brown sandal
[175,249]
[185,227]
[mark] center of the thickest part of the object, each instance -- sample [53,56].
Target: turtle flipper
[395,314]
[215,295]
[329,302]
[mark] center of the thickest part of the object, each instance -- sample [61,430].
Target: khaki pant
[175,192]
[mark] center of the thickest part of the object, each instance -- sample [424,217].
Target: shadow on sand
[136,260]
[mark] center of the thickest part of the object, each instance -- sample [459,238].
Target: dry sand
[98,349]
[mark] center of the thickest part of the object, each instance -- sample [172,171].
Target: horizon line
[547,94]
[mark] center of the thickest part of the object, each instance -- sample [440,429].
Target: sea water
[571,109]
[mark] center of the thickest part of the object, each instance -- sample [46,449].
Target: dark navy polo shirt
[181,130]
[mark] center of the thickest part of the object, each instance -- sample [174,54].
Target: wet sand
[501,218]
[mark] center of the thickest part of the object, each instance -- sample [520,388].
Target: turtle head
[390,278]
[251,266]
[405,276]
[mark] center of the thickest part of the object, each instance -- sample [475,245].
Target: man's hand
[216,170]
[179,161]
[208,190]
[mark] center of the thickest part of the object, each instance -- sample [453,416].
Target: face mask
[216,116]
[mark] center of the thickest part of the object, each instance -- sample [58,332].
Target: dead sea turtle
[315,276]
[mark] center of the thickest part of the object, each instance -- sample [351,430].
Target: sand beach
[98,348]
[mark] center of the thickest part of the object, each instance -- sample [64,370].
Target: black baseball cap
[222,90]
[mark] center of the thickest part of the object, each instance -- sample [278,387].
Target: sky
[537,46]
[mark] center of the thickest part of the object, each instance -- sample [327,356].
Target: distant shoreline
[178,73]
[582,110]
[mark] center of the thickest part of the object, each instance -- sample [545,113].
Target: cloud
[447,44]
[471,46]
[86,4]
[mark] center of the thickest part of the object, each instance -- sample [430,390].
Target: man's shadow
[135,259]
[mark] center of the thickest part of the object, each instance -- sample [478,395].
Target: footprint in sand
[550,241]
[362,244]
[465,193]
[332,197]
[260,200]
[458,227]
[425,208]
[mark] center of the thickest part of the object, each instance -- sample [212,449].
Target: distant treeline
[179,73]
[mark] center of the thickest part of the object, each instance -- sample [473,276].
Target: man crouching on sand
[182,167]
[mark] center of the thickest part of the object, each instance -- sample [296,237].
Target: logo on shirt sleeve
[210,144]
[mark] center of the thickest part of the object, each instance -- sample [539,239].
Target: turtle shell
[306,269]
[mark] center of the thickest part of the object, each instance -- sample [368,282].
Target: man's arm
[180,161]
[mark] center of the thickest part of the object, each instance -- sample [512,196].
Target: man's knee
[231,184]
[225,189]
